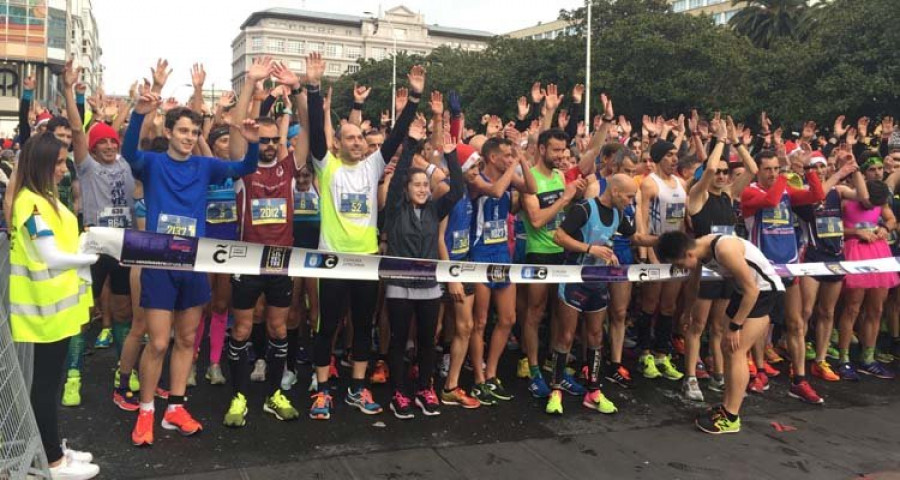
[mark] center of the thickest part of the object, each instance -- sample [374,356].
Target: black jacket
[409,235]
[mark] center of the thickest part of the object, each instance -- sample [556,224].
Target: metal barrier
[21,453]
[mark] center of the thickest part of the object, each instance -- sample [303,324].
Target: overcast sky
[134,34]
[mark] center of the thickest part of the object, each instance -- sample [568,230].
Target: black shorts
[468,289]
[119,276]
[768,303]
[716,289]
[246,289]
[306,235]
[534,258]
[814,256]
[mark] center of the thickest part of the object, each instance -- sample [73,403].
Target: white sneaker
[214,375]
[259,371]
[314,383]
[192,377]
[445,365]
[288,379]
[70,469]
[691,390]
[83,457]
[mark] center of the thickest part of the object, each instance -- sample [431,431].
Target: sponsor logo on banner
[644,273]
[224,252]
[320,260]
[866,269]
[534,272]
[836,268]
[275,259]
[498,273]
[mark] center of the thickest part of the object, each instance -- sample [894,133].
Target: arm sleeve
[222,170]
[47,250]
[395,188]
[24,126]
[456,129]
[399,131]
[575,219]
[79,104]
[266,106]
[318,146]
[626,229]
[752,199]
[130,151]
[457,186]
[805,197]
[576,114]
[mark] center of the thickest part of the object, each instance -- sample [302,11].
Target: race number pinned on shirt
[221,212]
[494,232]
[722,230]
[866,226]
[268,211]
[114,217]
[306,203]
[460,242]
[675,212]
[354,205]
[176,225]
[776,216]
[829,227]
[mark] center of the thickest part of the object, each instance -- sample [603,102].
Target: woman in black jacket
[412,219]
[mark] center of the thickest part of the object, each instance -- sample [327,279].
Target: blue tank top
[459,222]
[773,232]
[594,232]
[221,206]
[825,230]
[621,245]
[489,228]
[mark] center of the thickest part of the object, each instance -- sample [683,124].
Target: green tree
[765,21]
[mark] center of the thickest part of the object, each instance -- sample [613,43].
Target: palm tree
[764,21]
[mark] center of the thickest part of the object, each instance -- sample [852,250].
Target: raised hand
[146,102]
[283,74]
[580,129]
[852,138]
[385,117]
[679,125]
[887,126]
[81,89]
[261,69]
[765,123]
[839,128]
[226,99]
[250,131]
[417,129]
[716,127]
[552,98]
[169,104]
[777,137]
[608,112]
[360,93]
[522,108]
[494,125]
[28,83]
[365,126]
[862,126]
[70,75]
[315,68]
[160,73]
[648,125]
[625,124]
[563,119]
[416,78]
[198,76]
[510,133]
[577,93]
[537,93]
[730,130]
[401,99]
[449,144]
[437,104]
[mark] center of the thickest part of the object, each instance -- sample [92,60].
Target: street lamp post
[588,122]
[394,64]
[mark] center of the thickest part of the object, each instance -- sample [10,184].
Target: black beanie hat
[660,149]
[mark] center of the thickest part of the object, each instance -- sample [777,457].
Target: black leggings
[49,363]
[400,312]
[333,297]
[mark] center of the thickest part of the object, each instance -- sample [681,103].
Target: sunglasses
[724,171]
[268,140]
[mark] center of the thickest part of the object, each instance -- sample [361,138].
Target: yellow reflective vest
[46,305]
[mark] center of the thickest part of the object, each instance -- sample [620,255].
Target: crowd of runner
[271,165]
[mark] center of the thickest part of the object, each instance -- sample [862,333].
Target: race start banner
[174,252]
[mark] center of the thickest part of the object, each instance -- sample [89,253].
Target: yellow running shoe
[72,391]
[554,404]
[597,401]
[522,370]
[236,416]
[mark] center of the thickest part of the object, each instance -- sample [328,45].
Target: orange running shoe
[752,366]
[823,370]
[332,369]
[380,373]
[772,355]
[771,371]
[143,429]
[181,421]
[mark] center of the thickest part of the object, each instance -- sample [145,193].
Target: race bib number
[460,242]
[176,225]
[115,217]
[674,212]
[722,230]
[777,216]
[866,226]
[305,203]
[268,211]
[354,205]
[221,212]
[554,224]
[829,227]
[495,232]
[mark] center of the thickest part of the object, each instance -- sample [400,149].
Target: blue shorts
[624,253]
[519,253]
[173,290]
[498,256]
[222,231]
[585,297]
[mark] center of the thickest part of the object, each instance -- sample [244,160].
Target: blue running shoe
[571,386]
[538,387]
[362,399]
[321,406]
[875,369]
[847,372]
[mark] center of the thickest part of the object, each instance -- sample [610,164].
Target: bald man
[586,235]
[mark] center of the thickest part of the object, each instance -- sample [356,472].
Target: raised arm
[396,188]
[446,203]
[79,139]
[24,108]
[700,190]
[261,69]
[752,200]
[802,196]
[750,167]
[146,103]
[360,94]
[398,132]
[552,99]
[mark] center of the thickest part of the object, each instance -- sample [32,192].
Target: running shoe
[751,366]
[621,376]
[522,370]
[143,429]
[72,390]
[832,353]
[380,373]
[548,366]
[678,345]
[180,420]
[648,366]
[192,376]
[104,339]
[362,400]
[595,400]
[482,393]
[810,351]
[279,406]
[538,387]
[413,373]
[161,393]
[875,369]
[716,422]
[770,370]
[847,372]
[332,368]
[554,404]
[702,372]
[884,357]
[401,406]
[772,355]
[288,379]
[427,401]
[495,387]
[215,376]
[134,383]
[664,366]
[236,416]
[78,456]
[458,396]
[259,371]
[126,400]
[823,370]
[444,369]
[716,383]
[571,386]
[759,383]
[690,389]
[321,406]
[72,469]
[313,383]
[346,360]
[302,356]
[804,392]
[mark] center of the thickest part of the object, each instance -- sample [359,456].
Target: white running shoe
[259,371]
[192,377]
[445,365]
[288,379]
[70,469]
[83,457]
[691,390]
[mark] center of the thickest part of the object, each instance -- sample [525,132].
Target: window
[275,45]
[348,32]
[696,3]
[256,44]
[679,5]
[334,68]
[330,31]
[293,46]
[352,68]
[399,33]
[378,53]
[352,52]
[320,29]
[334,49]
[297,65]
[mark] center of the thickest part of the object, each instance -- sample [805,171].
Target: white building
[720,10]
[544,31]
[84,42]
[290,34]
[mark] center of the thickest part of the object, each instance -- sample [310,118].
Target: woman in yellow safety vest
[49,290]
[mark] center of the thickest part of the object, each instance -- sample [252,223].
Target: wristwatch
[734,327]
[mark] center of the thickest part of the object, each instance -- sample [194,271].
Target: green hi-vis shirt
[549,191]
